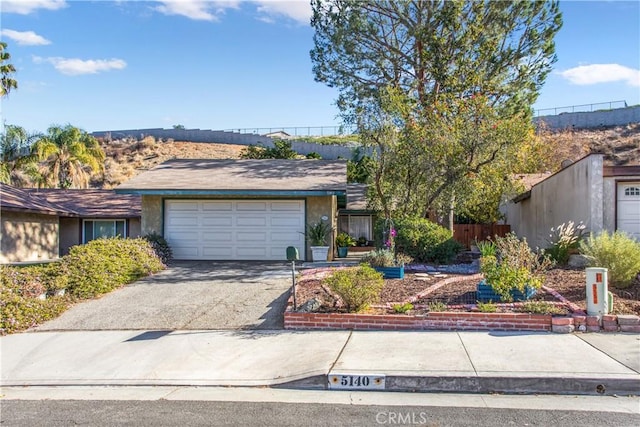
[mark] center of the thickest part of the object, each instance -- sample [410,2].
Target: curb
[489,385]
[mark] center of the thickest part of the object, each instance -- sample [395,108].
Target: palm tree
[6,70]
[16,158]
[71,154]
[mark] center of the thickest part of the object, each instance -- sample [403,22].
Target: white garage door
[629,208]
[234,229]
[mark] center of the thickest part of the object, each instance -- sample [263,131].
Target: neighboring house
[238,209]
[357,219]
[95,213]
[602,197]
[42,224]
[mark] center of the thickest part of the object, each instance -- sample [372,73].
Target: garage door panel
[185,252]
[217,206]
[217,252]
[288,236]
[293,206]
[251,221]
[222,237]
[251,206]
[234,229]
[255,237]
[286,221]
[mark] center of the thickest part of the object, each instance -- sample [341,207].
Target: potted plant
[384,261]
[343,242]
[512,271]
[317,235]
[362,241]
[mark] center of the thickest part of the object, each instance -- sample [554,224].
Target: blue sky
[106,65]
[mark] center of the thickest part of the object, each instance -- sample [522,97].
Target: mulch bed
[461,294]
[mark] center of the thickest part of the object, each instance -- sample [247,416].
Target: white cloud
[28,38]
[602,73]
[298,10]
[199,10]
[76,67]
[25,7]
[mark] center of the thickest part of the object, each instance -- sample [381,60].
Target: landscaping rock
[310,306]
[578,261]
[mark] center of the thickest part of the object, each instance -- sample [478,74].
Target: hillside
[127,158]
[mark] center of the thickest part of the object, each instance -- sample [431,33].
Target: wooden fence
[467,234]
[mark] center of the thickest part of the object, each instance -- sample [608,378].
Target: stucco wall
[70,234]
[28,237]
[573,194]
[152,211]
[317,207]
[135,228]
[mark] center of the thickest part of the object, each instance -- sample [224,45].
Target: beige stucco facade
[315,208]
[575,193]
[28,237]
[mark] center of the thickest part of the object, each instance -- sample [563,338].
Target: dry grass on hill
[127,158]
[619,144]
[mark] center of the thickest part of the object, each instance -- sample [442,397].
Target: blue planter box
[485,293]
[391,272]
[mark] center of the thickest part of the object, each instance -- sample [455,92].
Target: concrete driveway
[189,295]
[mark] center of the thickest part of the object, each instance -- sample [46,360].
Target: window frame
[115,227]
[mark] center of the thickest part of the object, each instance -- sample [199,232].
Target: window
[95,229]
[632,191]
[356,225]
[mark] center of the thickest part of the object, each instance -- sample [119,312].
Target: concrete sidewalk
[464,362]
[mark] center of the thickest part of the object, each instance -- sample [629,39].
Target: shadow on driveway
[189,295]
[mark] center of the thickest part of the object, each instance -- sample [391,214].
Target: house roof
[21,200]
[357,197]
[92,203]
[273,177]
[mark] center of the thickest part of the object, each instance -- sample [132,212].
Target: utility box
[292,253]
[597,291]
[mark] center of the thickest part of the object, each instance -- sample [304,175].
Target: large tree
[443,89]
[7,83]
[71,155]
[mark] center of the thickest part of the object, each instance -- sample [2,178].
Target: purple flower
[393,232]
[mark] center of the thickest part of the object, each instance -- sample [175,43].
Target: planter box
[391,272]
[486,293]
[319,253]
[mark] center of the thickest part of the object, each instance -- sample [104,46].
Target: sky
[110,65]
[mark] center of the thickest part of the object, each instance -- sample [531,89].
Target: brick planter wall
[448,321]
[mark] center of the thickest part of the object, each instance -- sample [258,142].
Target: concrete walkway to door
[189,295]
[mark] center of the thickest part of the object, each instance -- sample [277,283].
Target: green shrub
[403,308]
[424,240]
[20,305]
[515,266]
[436,306]
[540,307]
[487,307]
[379,258]
[357,286]
[563,239]
[106,264]
[160,247]
[617,252]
